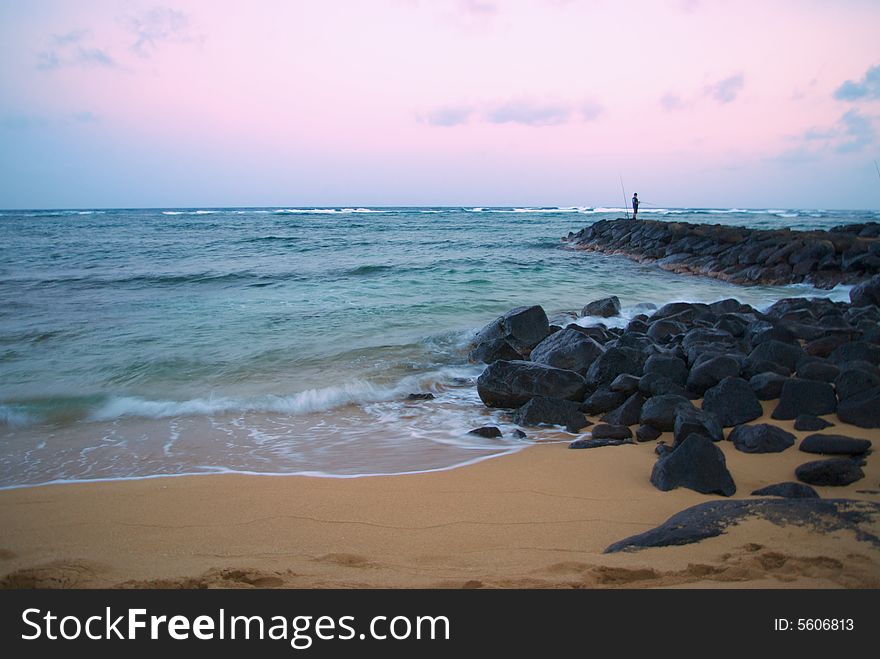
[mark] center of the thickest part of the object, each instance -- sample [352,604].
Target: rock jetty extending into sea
[842,255]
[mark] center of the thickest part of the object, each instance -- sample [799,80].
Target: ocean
[142,343]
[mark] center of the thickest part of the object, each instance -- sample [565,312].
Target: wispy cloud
[726,90]
[868,88]
[671,101]
[447,116]
[529,113]
[857,132]
[851,133]
[591,110]
[482,7]
[158,25]
[74,48]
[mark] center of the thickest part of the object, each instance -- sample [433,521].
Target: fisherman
[635,204]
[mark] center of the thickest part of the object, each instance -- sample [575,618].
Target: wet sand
[538,518]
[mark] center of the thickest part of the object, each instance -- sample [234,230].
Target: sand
[538,518]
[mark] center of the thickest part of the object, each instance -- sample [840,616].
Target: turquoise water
[147,342]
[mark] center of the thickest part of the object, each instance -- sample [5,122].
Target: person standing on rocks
[635,204]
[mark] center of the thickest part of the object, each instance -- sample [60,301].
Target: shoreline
[537,518]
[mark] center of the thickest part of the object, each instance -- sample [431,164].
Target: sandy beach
[538,518]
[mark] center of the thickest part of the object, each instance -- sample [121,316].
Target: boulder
[696,464]
[856,351]
[710,372]
[660,411]
[647,433]
[602,401]
[691,421]
[854,381]
[733,402]
[597,443]
[834,472]
[761,438]
[663,330]
[552,411]
[821,370]
[785,354]
[788,490]
[514,383]
[835,445]
[805,397]
[486,431]
[421,396]
[862,409]
[866,293]
[568,349]
[611,363]
[521,329]
[604,308]
[810,422]
[655,384]
[625,384]
[767,386]
[669,367]
[628,413]
[610,431]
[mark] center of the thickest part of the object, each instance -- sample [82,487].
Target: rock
[862,409]
[821,370]
[712,518]
[805,397]
[691,421]
[611,363]
[710,372]
[761,438]
[647,433]
[856,351]
[552,411]
[604,308]
[610,431]
[597,443]
[421,396]
[568,349]
[654,384]
[486,431]
[835,445]
[602,401]
[767,386]
[519,434]
[868,292]
[625,384]
[852,382]
[810,422]
[663,330]
[733,402]
[660,411]
[521,329]
[696,464]
[514,383]
[785,354]
[628,413]
[834,472]
[788,490]
[823,346]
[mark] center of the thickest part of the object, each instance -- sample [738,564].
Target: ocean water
[138,343]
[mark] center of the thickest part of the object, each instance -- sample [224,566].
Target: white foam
[9,416]
[325,211]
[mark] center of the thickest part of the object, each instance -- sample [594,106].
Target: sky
[209,103]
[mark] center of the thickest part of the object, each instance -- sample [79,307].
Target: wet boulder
[602,401]
[568,349]
[604,308]
[514,383]
[488,432]
[660,411]
[710,372]
[610,431]
[519,330]
[628,413]
[611,363]
[866,293]
[667,366]
[552,411]
[785,354]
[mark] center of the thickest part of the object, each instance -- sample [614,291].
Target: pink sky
[448,102]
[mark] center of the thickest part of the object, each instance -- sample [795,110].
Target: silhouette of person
[635,204]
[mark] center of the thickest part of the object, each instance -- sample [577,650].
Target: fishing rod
[877,167]
[623,190]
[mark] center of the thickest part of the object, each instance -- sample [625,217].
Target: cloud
[857,132]
[85,117]
[158,25]
[868,88]
[591,110]
[478,7]
[447,116]
[529,113]
[671,102]
[726,91]
[22,122]
[73,48]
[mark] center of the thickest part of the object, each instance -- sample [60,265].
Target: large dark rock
[712,518]
[611,363]
[862,409]
[568,349]
[868,292]
[660,411]
[628,413]
[733,402]
[647,433]
[604,308]
[655,384]
[785,354]
[486,431]
[761,438]
[597,443]
[854,381]
[519,330]
[668,366]
[811,422]
[696,464]
[805,397]
[663,330]
[834,472]
[610,431]
[835,445]
[788,490]
[856,351]
[514,383]
[553,411]
[602,401]
[818,369]
[710,372]
[767,386]
[625,384]
[691,421]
